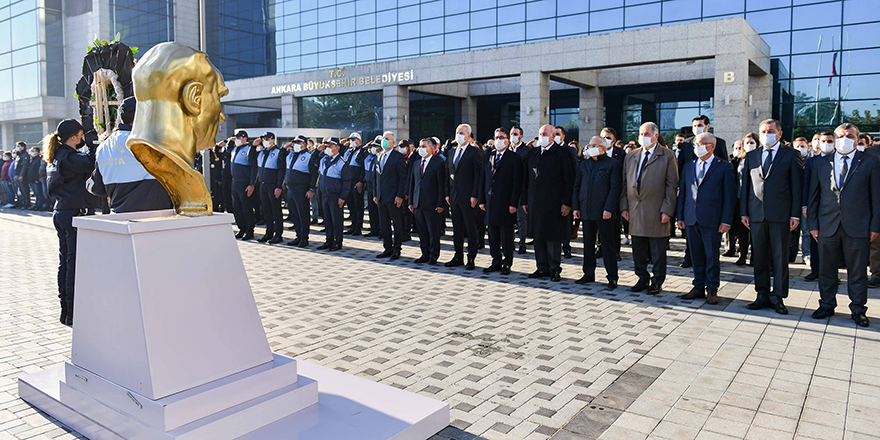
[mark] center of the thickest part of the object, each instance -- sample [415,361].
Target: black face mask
[82,143]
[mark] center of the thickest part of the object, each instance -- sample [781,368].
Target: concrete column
[8,141]
[395,108]
[469,113]
[731,97]
[591,113]
[289,112]
[761,91]
[534,99]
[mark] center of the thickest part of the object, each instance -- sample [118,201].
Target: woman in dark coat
[67,171]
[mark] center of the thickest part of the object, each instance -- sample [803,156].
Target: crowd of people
[541,192]
[23,177]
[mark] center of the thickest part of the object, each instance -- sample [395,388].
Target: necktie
[423,167]
[458,153]
[497,158]
[382,161]
[642,170]
[767,161]
[843,170]
[702,172]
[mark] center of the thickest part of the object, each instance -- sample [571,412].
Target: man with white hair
[463,168]
[650,184]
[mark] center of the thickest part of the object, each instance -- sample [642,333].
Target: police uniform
[354,157]
[270,174]
[243,163]
[335,183]
[301,176]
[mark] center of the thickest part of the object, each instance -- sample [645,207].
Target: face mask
[827,147]
[423,152]
[402,150]
[543,141]
[593,151]
[607,142]
[328,151]
[514,140]
[270,144]
[737,152]
[33,153]
[377,150]
[238,142]
[768,139]
[749,146]
[259,148]
[803,151]
[860,147]
[298,147]
[815,144]
[386,144]
[645,141]
[700,150]
[557,139]
[459,139]
[845,145]
[699,130]
[500,144]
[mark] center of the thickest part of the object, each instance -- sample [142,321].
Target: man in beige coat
[650,183]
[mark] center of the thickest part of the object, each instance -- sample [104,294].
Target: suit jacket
[390,181]
[686,151]
[463,181]
[855,205]
[710,202]
[776,197]
[808,169]
[548,182]
[522,151]
[429,190]
[618,154]
[597,187]
[657,195]
[501,187]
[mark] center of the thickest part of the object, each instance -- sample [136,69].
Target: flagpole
[818,73]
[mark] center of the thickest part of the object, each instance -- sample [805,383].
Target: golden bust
[178,92]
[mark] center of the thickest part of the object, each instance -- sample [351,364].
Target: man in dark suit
[609,137]
[389,189]
[520,148]
[500,191]
[426,185]
[547,189]
[596,196]
[826,147]
[770,200]
[706,195]
[844,216]
[463,168]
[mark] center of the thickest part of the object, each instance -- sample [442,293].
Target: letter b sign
[729,77]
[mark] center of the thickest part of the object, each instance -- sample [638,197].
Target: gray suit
[845,214]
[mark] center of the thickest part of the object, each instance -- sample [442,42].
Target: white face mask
[844,145]
[768,139]
[423,152]
[32,153]
[299,147]
[737,152]
[815,144]
[749,146]
[500,144]
[804,151]
[860,147]
[328,151]
[700,150]
[377,150]
[402,150]
[459,139]
[607,142]
[699,130]
[543,141]
[514,139]
[557,139]
[645,141]
[238,142]
[827,147]
[593,151]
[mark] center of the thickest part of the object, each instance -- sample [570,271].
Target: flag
[833,68]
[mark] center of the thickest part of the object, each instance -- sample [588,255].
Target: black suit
[463,183]
[390,182]
[596,189]
[547,186]
[845,214]
[770,200]
[522,219]
[500,189]
[619,155]
[426,192]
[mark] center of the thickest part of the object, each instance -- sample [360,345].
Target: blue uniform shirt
[116,162]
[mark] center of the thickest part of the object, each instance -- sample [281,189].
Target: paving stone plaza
[515,358]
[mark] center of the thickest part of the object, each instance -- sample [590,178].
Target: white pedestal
[168,344]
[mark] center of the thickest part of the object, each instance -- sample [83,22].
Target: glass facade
[433,115]
[142,23]
[22,52]
[30,132]
[829,48]
[672,107]
[352,111]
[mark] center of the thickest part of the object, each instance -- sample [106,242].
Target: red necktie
[423,167]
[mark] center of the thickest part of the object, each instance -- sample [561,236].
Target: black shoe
[407,238]
[861,320]
[599,252]
[276,239]
[385,254]
[741,261]
[874,282]
[395,255]
[422,259]
[567,253]
[759,304]
[372,234]
[813,276]
[522,249]
[346,232]
[586,279]
[324,246]
[612,284]
[556,277]
[730,253]
[640,286]
[686,263]
[530,243]
[69,318]
[265,238]
[823,312]
[248,236]
[470,264]
[356,233]
[455,262]
[291,228]
[240,234]
[655,289]
[303,243]
[323,230]
[260,223]
[539,274]
[335,247]
[294,242]
[63,318]
[792,258]
[492,268]
[780,308]
[432,261]
[505,270]
[314,221]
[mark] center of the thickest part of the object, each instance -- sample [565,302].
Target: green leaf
[134,50]
[104,42]
[88,48]
[116,38]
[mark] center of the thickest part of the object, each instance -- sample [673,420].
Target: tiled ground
[515,358]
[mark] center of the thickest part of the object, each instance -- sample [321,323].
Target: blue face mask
[386,144]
